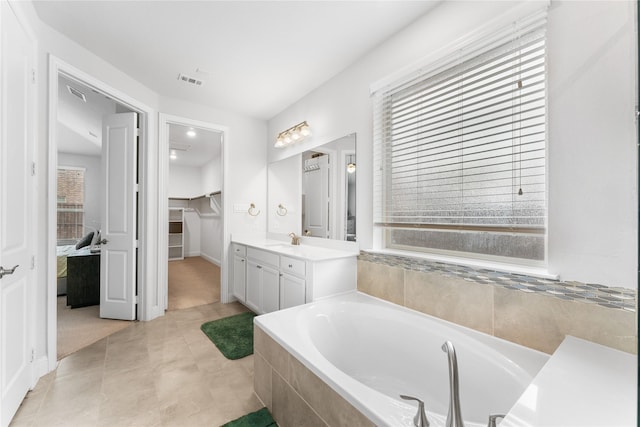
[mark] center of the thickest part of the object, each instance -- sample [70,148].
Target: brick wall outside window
[70,203]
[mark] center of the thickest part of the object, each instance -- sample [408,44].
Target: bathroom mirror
[314,193]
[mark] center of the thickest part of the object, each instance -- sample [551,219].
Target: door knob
[4,272]
[103,242]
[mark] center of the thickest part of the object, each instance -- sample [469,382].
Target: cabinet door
[254,286]
[270,289]
[292,291]
[239,278]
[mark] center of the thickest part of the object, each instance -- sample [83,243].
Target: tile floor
[164,372]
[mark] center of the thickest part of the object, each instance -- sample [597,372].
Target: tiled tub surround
[536,313]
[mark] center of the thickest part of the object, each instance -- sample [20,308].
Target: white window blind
[460,151]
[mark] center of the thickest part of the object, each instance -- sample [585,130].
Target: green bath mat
[260,418]
[232,335]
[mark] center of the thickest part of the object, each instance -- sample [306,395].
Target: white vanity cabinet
[263,281]
[267,280]
[239,272]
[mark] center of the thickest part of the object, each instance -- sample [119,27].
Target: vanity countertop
[582,384]
[303,251]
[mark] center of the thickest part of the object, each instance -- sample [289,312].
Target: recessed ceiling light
[191,133]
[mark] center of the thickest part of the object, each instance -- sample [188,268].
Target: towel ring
[253,211]
[281,211]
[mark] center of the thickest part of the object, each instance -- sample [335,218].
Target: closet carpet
[193,281]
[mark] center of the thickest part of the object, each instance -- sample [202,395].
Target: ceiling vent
[190,80]
[178,146]
[75,92]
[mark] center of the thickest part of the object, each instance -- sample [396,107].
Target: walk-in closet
[195,216]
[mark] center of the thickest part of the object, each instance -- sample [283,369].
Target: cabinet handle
[242,260]
[258,266]
[290,266]
[281,274]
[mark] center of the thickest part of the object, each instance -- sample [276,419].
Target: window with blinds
[460,153]
[70,203]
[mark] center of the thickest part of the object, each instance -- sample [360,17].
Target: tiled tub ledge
[534,312]
[610,297]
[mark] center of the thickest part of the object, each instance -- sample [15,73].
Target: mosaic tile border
[588,293]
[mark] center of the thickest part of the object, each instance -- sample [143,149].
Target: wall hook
[253,211]
[281,211]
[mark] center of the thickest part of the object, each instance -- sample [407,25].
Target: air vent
[190,80]
[75,92]
[178,146]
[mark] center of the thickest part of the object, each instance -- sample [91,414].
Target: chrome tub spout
[454,416]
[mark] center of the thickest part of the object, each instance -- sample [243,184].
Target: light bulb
[191,133]
[295,135]
[305,131]
[173,155]
[351,167]
[287,139]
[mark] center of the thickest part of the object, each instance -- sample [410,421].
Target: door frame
[163,206]
[147,305]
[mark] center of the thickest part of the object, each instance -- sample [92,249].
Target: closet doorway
[195,220]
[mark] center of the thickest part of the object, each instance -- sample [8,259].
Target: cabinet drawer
[240,250]
[263,256]
[293,266]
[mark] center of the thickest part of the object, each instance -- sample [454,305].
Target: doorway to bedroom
[80,112]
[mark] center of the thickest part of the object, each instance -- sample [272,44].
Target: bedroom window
[460,152]
[70,203]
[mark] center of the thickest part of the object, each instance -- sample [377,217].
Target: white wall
[592,166]
[593,194]
[184,182]
[211,175]
[92,185]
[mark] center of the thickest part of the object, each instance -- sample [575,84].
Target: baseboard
[190,254]
[211,259]
[40,369]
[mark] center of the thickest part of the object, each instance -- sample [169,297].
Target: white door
[119,198]
[292,291]
[270,290]
[16,214]
[317,200]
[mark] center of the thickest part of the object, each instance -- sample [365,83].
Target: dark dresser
[83,279]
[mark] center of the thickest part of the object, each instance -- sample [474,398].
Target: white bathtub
[371,351]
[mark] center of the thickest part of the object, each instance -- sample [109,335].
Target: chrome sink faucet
[454,417]
[295,240]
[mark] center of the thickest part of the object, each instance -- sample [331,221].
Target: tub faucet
[454,417]
[295,240]
[420,420]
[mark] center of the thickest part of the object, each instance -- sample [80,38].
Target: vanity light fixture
[292,135]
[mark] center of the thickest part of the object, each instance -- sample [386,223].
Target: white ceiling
[80,122]
[195,150]
[255,57]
